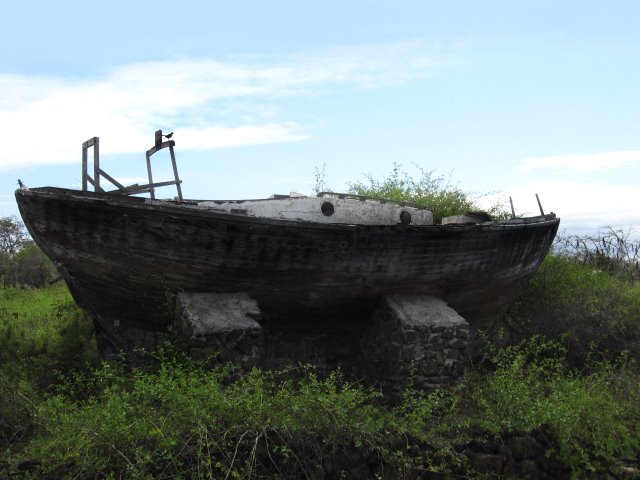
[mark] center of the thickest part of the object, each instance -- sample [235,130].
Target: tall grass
[42,332]
[43,323]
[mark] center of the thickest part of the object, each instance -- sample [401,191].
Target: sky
[502,98]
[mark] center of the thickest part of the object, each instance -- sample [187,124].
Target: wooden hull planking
[125,257]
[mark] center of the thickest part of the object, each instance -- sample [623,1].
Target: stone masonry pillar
[415,339]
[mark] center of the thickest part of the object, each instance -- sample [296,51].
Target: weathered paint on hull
[125,258]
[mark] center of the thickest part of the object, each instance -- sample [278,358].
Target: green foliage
[31,267]
[12,235]
[18,404]
[41,331]
[180,419]
[435,193]
[582,307]
[320,180]
[22,263]
[593,418]
[186,421]
[43,324]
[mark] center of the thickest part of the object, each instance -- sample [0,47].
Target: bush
[582,307]
[593,418]
[41,331]
[182,419]
[614,251]
[185,421]
[22,263]
[435,193]
[31,268]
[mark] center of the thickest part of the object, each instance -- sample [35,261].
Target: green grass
[42,332]
[43,323]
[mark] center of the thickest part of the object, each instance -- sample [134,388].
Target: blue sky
[513,97]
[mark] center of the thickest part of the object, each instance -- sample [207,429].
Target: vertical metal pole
[175,171]
[513,212]
[539,205]
[84,167]
[96,163]
[152,190]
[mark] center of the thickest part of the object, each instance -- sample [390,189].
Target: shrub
[593,418]
[584,308]
[614,251]
[435,193]
[31,268]
[186,421]
[22,263]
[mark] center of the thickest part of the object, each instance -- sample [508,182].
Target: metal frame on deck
[131,189]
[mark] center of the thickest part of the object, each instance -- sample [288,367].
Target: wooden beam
[175,172]
[111,179]
[133,189]
[96,186]
[151,191]
[169,143]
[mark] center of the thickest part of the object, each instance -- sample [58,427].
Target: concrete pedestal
[224,324]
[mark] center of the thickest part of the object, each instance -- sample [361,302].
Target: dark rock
[524,447]
[505,452]
[486,462]
[625,469]
[529,469]
[458,343]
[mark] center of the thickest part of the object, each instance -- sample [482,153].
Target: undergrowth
[584,308]
[183,419]
[44,325]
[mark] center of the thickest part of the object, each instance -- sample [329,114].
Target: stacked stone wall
[415,341]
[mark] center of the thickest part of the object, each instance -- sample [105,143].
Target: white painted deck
[352,211]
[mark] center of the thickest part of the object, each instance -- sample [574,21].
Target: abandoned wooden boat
[303,258]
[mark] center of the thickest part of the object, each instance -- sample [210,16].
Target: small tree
[21,261]
[12,235]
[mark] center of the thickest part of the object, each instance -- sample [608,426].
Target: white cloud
[583,163]
[581,206]
[47,118]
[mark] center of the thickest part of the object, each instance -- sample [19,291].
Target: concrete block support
[415,339]
[225,324]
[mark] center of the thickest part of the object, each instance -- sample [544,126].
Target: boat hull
[127,257]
